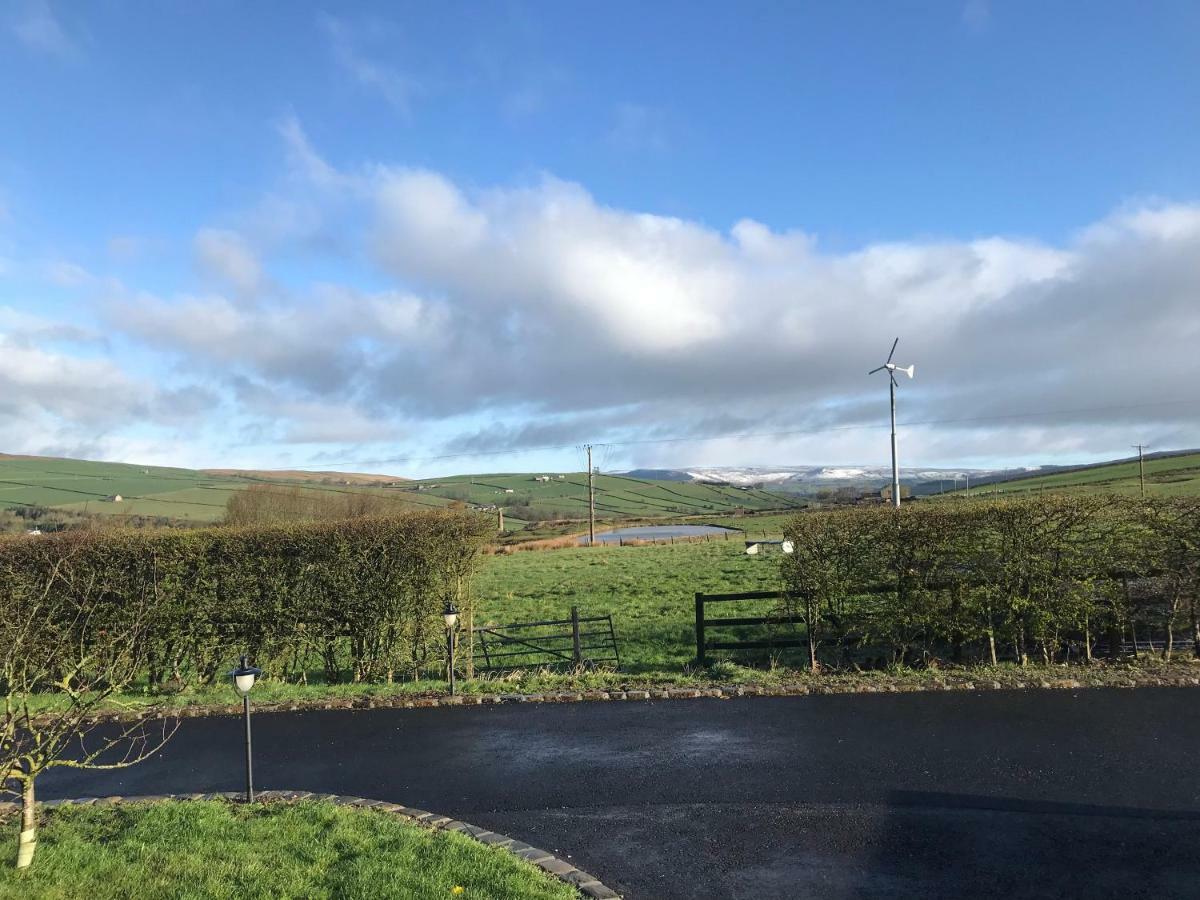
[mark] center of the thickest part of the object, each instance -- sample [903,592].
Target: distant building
[115,498]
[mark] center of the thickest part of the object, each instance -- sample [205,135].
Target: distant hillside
[815,480]
[301,475]
[1169,473]
[560,495]
[189,496]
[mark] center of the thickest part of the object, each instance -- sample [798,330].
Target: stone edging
[586,884]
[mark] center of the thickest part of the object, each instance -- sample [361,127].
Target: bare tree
[68,645]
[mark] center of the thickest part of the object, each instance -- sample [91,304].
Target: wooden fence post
[700,656]
[575,645]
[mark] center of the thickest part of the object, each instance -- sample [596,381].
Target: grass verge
[199,849]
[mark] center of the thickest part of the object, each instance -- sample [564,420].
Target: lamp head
[244,677]
[450,615]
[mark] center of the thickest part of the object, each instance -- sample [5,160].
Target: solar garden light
[450,617]
[244,677]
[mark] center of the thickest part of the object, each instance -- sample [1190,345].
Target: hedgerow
[363,596]
[1051,578]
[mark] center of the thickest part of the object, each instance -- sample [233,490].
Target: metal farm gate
[577,641]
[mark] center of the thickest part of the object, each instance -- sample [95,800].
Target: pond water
[658,533]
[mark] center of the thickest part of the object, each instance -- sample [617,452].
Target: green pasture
[649,590]
[206,849]
[565,495]
[82,486]
[1172,476]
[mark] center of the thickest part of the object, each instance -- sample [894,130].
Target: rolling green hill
[186,495]
[192,496]
[1166,476]
[565,496]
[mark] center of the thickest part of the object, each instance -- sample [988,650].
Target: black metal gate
[577,641]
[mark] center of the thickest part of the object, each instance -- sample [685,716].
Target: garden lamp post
[244,677]
[450,617]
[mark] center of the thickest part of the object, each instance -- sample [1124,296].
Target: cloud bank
[521,314]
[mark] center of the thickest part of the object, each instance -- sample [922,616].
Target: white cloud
[638,128]
[537,304]
[91,393]
[397,88]
[977,14]
[125,248]
[64,273]
[226,257]
[36,26]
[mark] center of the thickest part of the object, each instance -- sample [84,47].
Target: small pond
[658,533]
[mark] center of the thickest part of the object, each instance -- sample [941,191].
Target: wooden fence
[703,623]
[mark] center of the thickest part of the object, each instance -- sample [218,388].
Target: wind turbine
[892,369]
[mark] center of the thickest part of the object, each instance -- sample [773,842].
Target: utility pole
[591,502]
[1141,469]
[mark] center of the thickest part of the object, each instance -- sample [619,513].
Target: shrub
[997,578]
[362,595]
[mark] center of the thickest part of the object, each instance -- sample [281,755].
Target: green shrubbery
[361,598]
[1046,577]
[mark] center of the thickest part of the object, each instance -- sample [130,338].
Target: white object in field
[788,547]
[752,550]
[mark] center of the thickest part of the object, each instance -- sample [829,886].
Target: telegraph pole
[1141,469]
[591,502]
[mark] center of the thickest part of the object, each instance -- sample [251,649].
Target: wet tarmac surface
[1014,794]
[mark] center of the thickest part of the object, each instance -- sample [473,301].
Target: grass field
[648,590]
[186,495]
[199,497]
[565,495]
[222,850]
[1171,476]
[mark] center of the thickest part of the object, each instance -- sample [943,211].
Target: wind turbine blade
[890,355]
[880,369]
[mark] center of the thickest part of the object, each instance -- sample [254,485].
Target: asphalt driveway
[1013,794]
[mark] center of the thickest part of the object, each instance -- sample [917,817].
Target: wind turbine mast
[891,368]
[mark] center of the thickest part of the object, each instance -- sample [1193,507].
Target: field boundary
[588,885]
[1178,674]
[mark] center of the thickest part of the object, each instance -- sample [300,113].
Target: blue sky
[365,235]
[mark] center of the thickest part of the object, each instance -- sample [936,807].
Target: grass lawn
[217,850]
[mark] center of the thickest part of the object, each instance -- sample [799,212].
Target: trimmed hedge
[1049,577]
[362,596]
